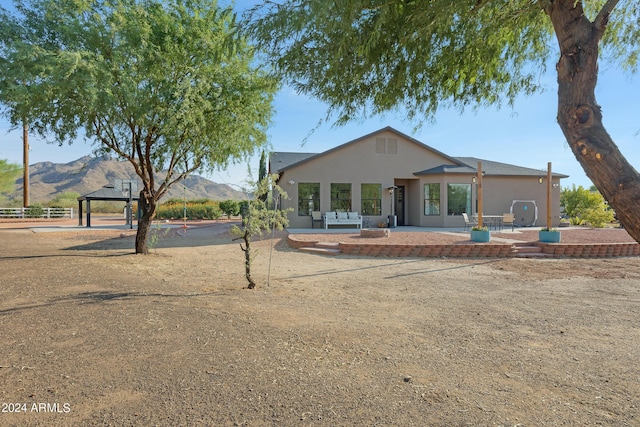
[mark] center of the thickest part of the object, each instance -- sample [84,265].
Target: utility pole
[25,163]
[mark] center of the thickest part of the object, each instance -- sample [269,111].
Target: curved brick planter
[479,250]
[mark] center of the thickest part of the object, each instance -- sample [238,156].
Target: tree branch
[602,19]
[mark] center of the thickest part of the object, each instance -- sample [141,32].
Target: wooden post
[549,186]
[479,194]
[25,164]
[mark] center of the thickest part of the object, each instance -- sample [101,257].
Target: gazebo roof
[108,192]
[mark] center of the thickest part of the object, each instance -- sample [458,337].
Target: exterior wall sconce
[540,180]
[474,179]
[291,182]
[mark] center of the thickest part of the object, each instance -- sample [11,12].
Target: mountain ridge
[88,174]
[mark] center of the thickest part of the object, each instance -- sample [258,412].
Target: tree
[258,216]
[167,85]
[373,56]
[230,207]
[9,173]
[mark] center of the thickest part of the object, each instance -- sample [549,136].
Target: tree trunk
[247,261]
[579,115]
[148,209]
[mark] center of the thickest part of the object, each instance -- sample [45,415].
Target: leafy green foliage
[9,173]
[585,206]
[257,216]
[167,85]
[369,57]
[598,217]
[34,211]
[195,209]
[68,199]
[230,207]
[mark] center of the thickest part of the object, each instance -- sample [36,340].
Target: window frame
[303,203]
[432,204]
[338,201]
[458,210]
[377,202]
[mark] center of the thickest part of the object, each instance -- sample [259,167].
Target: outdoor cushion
[353,215]
[330,215]
[342,215]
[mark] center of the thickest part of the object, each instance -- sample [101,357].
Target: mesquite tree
[167,85]
[372,56]
[260,214]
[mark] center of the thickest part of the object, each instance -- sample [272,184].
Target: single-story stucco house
[389,173]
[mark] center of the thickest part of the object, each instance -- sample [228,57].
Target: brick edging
[480,250]
[590,250]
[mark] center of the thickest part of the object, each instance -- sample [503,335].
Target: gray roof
[503,169]
[461,169]
[281,161]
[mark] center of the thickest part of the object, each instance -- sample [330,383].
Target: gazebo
[106,193]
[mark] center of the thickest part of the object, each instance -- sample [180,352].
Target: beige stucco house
[389,173]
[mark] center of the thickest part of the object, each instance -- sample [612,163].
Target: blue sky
[525,135]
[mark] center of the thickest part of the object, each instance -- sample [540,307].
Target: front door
[399,202]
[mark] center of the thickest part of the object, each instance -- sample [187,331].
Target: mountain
[88,174]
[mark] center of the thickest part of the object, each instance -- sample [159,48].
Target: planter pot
[482,236]
[549,236]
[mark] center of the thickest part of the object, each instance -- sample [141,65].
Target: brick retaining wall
[480,250]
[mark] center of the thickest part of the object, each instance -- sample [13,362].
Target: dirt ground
[95,335]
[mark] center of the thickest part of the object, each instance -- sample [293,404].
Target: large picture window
[371,199]
[432,199]
[308,198]
[458,199]
[341,197]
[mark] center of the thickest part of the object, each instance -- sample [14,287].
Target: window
[459,199]
[432,199]
[371,199]
[341,197]
[308,198]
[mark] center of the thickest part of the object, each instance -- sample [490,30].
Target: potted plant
[549,235]
[480,234]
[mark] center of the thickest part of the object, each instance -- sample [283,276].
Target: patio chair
[316,216]
[469,223]
[508,218]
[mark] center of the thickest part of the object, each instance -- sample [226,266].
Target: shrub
[195,209]
[598,217]
[34,211]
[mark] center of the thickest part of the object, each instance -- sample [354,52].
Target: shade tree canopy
[167,85]
[365,57]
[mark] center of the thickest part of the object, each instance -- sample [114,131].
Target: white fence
[36,212]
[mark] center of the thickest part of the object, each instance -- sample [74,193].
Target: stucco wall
[363,162]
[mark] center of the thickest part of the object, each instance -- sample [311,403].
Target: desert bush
[195,209]
[598,217]
[34,211]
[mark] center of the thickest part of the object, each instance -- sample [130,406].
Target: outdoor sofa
[342,218]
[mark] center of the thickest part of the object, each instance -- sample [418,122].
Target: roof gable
[281,161]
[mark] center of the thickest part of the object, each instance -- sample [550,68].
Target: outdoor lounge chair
[316,216]
[508,218]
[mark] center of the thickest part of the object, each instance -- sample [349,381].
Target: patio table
[494,221]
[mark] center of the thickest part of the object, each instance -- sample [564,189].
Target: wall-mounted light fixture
[474,179]
[540,180]
[556,185]
[291,182]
